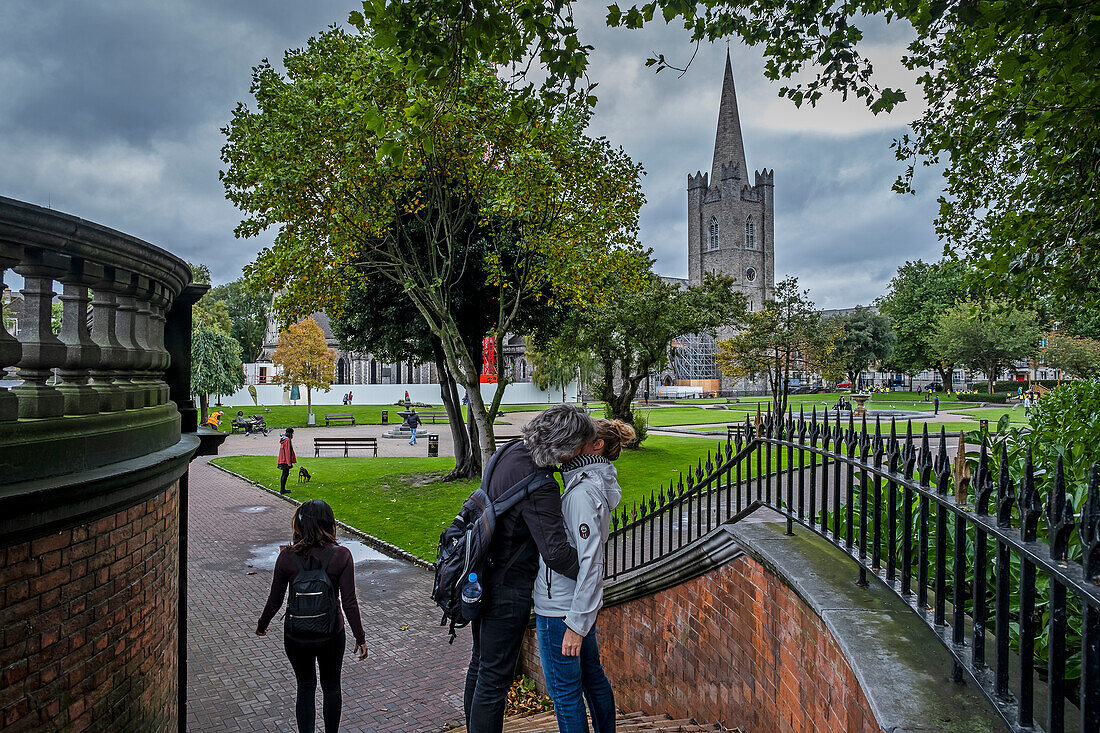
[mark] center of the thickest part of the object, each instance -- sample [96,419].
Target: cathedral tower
[730,221]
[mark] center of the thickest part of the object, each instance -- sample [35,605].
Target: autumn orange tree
[304,358]
[369,171]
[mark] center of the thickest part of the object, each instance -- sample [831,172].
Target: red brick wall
[735,646]
[88,622]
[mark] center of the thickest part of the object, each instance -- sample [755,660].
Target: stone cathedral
[731,227]
[731,230]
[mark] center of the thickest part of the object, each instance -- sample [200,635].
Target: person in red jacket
[286,457]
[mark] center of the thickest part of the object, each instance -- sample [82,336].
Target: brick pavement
[237,681]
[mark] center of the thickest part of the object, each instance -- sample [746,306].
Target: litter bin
[433,446]
[983,426]
[385,417]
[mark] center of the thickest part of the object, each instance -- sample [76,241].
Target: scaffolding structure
[693,356]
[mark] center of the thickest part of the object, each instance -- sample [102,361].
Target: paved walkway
[237,681]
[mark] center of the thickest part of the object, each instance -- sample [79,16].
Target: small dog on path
[303,475]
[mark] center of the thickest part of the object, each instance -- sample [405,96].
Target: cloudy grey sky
[111,110]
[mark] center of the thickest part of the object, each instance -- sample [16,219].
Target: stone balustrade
[94,392]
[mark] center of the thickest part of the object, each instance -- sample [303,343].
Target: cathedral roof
[729,147]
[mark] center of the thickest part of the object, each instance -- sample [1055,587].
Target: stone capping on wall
[30,225]
[37,507]
[902,669]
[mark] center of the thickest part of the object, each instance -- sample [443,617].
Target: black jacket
[534,527]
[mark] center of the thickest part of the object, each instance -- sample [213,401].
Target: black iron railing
[919,522]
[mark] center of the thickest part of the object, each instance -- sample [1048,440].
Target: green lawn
[390,498]
[397,500]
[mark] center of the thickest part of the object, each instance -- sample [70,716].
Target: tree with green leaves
[987,337]
[916,297]
[629,333]
[216,367]
[1072,356]
[1010,99]
[866,337]
[331,158]
[304,358]
[246,312]
[787,336]
[557,363]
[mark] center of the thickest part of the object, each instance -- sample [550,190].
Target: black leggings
[307,659]
[282,481]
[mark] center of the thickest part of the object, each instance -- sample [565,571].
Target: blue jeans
[413,440]
[573,680]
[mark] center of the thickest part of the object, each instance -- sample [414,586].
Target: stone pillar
[42,351]
[10,350]
[126,332]
[144,356]
[81,351]
[111,354]
[161,359]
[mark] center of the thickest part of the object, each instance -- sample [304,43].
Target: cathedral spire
[728,144]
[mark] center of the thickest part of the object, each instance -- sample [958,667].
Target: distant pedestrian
[645,396]
[936,405]
[313,632]
[414,423]
[918,391]
[407,398]
[345,399]
[465,398]
[351,397]
[286,457]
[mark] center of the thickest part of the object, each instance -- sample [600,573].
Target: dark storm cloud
[112,110]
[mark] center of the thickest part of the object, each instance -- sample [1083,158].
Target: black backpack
[311,610]
[464,545]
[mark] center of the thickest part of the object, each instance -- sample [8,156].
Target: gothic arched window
[713,233]
[750,234]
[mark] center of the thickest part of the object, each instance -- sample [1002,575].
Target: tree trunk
[465,465]
[946,376]
[309,403]
[204,408]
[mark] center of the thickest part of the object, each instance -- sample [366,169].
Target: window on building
[713,233]
[750,234]
[751,309]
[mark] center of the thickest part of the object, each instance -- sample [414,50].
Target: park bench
[735,431]
[347,442]
[433,416]
[338,418]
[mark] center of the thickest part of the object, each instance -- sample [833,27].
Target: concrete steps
[627,723]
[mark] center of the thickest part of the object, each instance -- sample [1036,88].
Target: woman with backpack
[320,576]
[566,610]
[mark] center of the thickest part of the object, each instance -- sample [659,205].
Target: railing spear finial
[1059,516]
[1090,527]
[962,472]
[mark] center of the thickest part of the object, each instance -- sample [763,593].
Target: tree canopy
[787,336]
[916,297]
[1011,100]
[247,314]
[630,331]
[865,337]
[330,157]
[304,358]
[987,337]
[1072,356]
[215,365]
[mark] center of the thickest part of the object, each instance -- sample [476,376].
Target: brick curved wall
[735,646]
[89,623]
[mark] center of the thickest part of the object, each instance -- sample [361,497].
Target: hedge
[984,397]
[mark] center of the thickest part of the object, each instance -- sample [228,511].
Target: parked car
[846,384]
[935,387]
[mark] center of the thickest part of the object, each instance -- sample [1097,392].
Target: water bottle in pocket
[471,598]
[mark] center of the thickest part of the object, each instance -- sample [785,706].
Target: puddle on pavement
[263,557]
[250,509]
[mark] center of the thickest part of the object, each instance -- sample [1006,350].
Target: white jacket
[591,493]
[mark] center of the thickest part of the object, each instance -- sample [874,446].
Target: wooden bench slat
[346,442]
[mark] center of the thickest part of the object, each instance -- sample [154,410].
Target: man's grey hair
[555,434]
